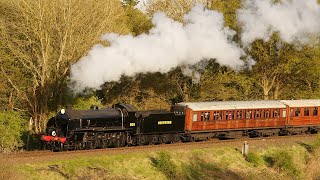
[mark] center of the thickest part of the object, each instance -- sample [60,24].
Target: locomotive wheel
[104,143]
[79,146]
[192,139]
[88,145]
[134,141]
[177,138]
[142,141]
[116,144]
[163,140]
[56,146]
[154,140]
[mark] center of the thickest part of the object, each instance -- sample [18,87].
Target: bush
[164,164]
[283,162]
[254,159]
[12,125]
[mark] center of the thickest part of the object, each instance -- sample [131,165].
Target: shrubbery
[255,159]
[282,161]
[12,126]
[165,165]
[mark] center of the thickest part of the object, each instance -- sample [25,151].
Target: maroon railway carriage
[302,112]
[252,118]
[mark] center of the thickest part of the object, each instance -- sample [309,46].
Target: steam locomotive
[120,125]
[124,125]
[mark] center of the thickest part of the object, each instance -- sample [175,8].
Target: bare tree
[175,9]
[44,37]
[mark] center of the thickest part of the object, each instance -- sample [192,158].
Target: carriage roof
[302,103]
[232,105]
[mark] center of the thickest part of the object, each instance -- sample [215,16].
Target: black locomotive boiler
[120,125]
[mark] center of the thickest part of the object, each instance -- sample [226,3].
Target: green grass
[291,162]
[164,164]
[255,159]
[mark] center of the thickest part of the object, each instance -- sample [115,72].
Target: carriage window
[315,111]
[205,116]
[291,112]
[194,118]
[217,115]
[239,114]
[257,115]
[248,114]
[306,111]
[229,115]
[297,113]
[276,113]
[266,113]
[284,113]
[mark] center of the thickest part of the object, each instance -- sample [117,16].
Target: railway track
[45,155]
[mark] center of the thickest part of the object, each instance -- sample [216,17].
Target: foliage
[304,79]
[229,10]
[12,125]
[282,161]
[164,164]
[227,85]
[43,38]
[145,91]
[273,64]
[86,102]
[138,22]
[174,9]
[254,159]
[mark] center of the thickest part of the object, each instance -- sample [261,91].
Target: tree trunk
[276,91]
[265,94]
[266,86]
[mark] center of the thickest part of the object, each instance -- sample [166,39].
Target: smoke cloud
[169,44]
[295,20]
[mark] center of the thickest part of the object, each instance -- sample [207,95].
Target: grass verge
[291,162]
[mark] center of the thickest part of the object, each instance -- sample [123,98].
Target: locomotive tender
[124,125]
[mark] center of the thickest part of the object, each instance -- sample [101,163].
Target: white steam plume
[295,20]
[169,44]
